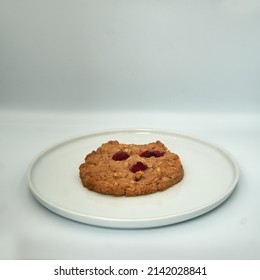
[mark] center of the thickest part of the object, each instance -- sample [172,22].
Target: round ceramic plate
[211,175]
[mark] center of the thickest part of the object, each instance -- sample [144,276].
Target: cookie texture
[130,169]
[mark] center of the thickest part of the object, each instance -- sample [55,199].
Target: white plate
[211,175]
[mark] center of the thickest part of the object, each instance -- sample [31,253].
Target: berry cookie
[130,170]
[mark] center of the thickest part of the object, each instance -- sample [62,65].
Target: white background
[74,67]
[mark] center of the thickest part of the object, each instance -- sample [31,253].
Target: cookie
[130,170]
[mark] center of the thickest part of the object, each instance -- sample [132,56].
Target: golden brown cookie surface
[130,170]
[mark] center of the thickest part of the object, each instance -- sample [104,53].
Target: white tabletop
[30,231]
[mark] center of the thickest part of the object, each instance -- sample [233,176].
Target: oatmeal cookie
[130,170]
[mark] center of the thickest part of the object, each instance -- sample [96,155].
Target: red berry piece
[139,166]
[148,154]
[158,153]
[119,156]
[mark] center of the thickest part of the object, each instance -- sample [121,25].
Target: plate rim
[134,223]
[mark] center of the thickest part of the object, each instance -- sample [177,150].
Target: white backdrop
[154,55]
